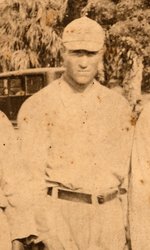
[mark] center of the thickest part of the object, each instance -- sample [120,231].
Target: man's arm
[140,184]
[14,184]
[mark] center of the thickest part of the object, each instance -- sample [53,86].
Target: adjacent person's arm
[14,184]
[140,184]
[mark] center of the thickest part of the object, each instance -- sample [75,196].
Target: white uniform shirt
[79,139]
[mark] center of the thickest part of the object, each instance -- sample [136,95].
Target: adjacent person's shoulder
[143,123]
[3,117]
[4,121]
[7,133]
[145,114]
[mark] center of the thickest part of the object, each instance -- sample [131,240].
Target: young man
[76,136]
[140,183]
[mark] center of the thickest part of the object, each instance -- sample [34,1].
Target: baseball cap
[83,34]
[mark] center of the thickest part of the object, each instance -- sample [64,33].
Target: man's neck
[76,86]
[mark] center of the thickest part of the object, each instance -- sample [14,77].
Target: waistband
[71,195]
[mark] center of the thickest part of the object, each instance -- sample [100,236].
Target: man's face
[81,65]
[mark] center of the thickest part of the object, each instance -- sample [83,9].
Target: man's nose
[83,62]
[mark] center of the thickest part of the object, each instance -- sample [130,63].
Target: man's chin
[83,82]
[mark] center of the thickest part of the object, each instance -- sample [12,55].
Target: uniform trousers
[82,226]
[5,241]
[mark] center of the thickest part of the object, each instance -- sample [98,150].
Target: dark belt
[86,198]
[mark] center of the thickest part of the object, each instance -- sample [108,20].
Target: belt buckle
[101,199]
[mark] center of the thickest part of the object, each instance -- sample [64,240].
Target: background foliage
[29,35]
[127,56]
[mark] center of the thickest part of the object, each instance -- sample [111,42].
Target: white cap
[83,34]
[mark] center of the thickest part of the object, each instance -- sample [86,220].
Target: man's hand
[17,245]
[53,244]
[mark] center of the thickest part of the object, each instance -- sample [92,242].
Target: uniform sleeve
[14,184]
[33,142]
[33,149]
[3,200]
[120,138]
[125,126]
[140,184]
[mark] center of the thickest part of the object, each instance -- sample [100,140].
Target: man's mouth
[83,71]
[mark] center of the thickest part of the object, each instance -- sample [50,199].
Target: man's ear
[100,69]
[63,60]
[63,54]
[101,57]
[100,66]
[102,52]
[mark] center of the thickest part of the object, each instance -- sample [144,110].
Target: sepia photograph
[75,125]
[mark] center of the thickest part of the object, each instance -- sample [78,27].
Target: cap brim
[83,45]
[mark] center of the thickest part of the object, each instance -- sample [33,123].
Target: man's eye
[89,53]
